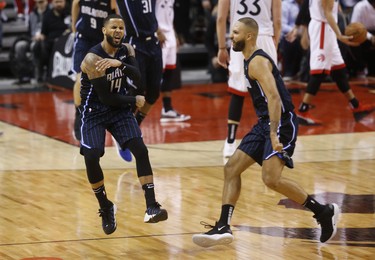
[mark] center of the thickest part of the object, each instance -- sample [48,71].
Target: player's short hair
[250,23]
[112,16]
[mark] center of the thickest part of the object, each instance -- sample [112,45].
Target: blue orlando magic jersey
[139,16]
[256,91]
[117,81]
[91,17]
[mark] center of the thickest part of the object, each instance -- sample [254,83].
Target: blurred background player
[171,74]
[87,23]
[363,63]
[141,33]
[218,73]
[267,13]
[291,52]
[326,59]
[56,22]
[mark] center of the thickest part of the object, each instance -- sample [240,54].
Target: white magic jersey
[316,10]
[259,10]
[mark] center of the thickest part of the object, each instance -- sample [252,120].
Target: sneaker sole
[227,155]
[335,218]
[155,219]
[204,240]
[168,120]
[358,116]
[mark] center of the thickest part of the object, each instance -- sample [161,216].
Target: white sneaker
[173,116]
[229,149]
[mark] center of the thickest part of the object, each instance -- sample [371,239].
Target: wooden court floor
[48,210]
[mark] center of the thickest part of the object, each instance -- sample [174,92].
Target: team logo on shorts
[321,57]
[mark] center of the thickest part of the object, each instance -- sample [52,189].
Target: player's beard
[111,41]
[238,46]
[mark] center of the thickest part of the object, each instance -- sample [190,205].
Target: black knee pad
[314,83]
[93,169]
[341,79]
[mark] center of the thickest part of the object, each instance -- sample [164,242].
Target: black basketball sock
[167,104]
[232,129]
[149,193]
[226,214]
[313,205]
[101,196]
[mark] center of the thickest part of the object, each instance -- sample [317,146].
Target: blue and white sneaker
[124,154]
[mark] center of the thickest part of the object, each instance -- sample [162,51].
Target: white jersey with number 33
[259,10]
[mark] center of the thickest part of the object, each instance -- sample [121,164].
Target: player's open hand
[292,35]
[139,101]
[223,58]
[347,40]
[103,64]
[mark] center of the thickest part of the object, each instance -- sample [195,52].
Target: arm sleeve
[210,38]
[303,17]
[131,69]
[108,98]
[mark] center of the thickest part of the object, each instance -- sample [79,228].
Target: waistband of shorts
[266,117]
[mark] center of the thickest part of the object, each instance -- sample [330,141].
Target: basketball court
[48,210]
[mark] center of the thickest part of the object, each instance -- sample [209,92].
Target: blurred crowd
[195,23]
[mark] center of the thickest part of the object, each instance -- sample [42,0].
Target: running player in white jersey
[267,13]
[326,59]
[167,37]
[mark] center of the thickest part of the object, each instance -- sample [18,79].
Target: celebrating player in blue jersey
[107,104]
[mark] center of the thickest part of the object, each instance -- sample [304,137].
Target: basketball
[358,31]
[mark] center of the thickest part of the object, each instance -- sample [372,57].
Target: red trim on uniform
[170,67]
[314,72]
[338,67]
[236,92]
[321,46]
